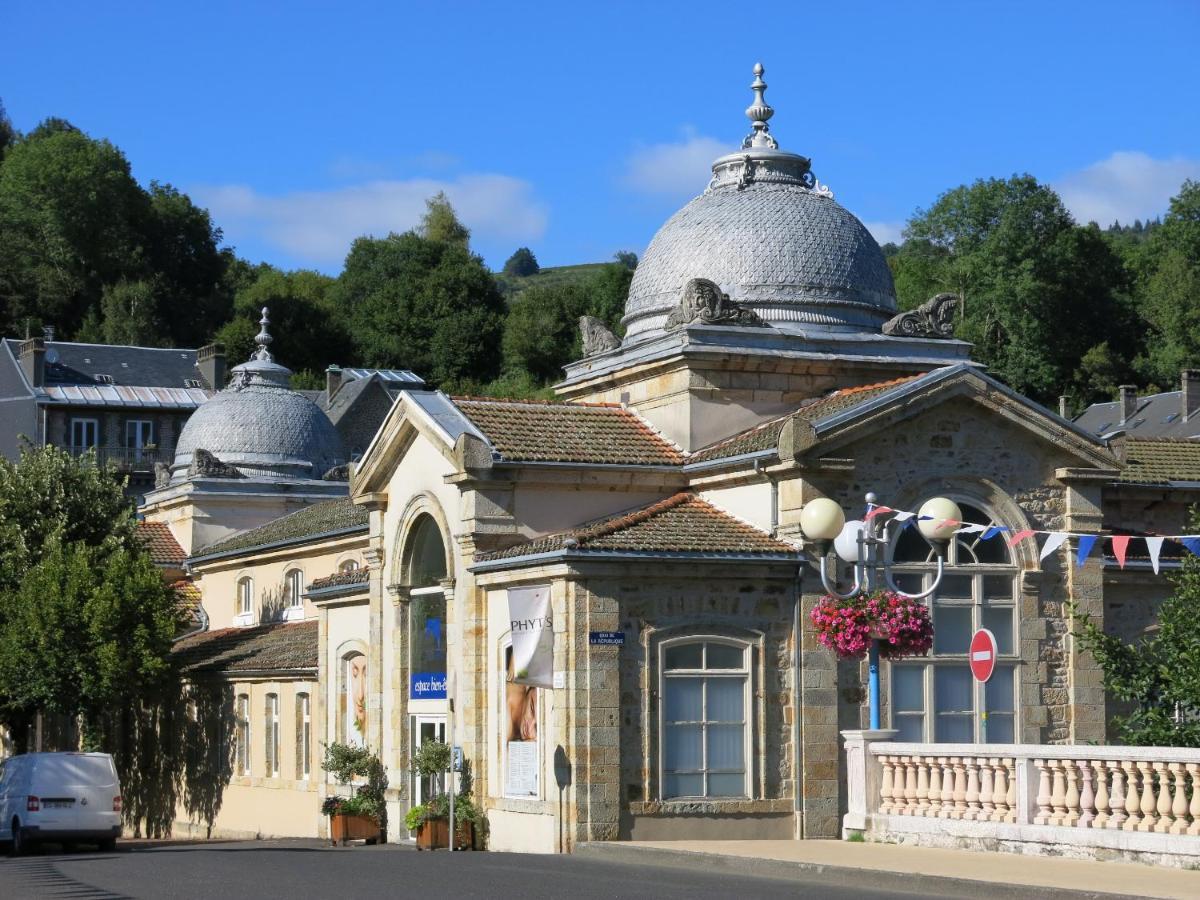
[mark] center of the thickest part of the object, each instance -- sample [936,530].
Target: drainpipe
[801,826]
[759,469]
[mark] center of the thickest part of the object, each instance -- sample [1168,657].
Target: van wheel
[108,845]
[19,844]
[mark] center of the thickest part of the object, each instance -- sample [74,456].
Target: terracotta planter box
[434,834]
[344,828]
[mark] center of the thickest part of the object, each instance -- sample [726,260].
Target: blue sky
[577,128]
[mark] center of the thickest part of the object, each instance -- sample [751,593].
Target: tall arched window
[271,734]
[425,570]
[245,596]
[934,698]
[303,735]
[293,589]
[242,734]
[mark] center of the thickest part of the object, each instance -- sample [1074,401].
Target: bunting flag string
[1119,544]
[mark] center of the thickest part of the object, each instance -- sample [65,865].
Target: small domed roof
[259,425]
[770,236]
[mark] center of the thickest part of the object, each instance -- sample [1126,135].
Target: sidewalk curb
[845,876]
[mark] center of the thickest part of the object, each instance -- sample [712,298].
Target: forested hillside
[1051,305]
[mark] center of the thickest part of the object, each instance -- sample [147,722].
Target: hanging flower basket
[902,625]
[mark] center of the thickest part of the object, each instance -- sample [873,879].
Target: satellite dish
[52,357]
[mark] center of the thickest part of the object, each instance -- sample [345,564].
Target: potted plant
[363,814]
[431,820]
[900,624]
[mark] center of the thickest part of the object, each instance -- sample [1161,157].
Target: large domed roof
[772,238]
[260,426]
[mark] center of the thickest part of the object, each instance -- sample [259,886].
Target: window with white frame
[85,433]
[303,735]
[138,434]
[935,698]
[705,719]
[242,734]
[293,588]
[271,723]
[245,596]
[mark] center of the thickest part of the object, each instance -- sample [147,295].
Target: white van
[60,797]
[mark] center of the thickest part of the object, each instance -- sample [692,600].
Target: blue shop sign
[611,638]
[427,686]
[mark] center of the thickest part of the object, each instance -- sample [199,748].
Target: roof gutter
[337,590]
[567,556]
[204,559]
[723,461]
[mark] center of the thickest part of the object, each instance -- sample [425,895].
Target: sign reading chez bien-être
[611,638]
[427,686]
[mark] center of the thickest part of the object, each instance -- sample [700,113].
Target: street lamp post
[865,545]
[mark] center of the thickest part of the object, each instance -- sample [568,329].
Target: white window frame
[140,434]
[304,743]
[86,424]
[293,589]
[746,673]
[244,614]
[242,731]
[272,746]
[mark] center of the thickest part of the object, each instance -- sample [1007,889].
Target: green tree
[427,305]
[1038,291]
[129,314]
[1159,675]
[522,263]
[8,134]
[440,222]
[608,290]
[626,258]
[542,332]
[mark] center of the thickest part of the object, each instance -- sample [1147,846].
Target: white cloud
[318,226]
[886,232]
[680,169]
[1128,185]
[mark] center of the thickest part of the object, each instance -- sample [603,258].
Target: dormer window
[104,379]
[192,383]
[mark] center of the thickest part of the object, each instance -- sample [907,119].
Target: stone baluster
[922,787]
[1133,807]
[986,789]
[1071,798]
[1116,801]
[1010,799]
[1101,818]
[1194,808]
[960,788]
[1043,795]
[1165,819]
[935,785]
[999,790]
[910,786]
[947,810]
[1087,796]
[1148,804]
[1179,808]
[885,784]
[972,797]
[1058,792]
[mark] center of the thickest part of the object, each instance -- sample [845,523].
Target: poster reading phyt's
[532,633]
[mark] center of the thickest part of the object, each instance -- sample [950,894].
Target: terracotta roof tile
[1161,461]
[340,579]
[543,431]
[164,550]
[187,599]
[680,524]
[765,436]
[279,646]
[318,519]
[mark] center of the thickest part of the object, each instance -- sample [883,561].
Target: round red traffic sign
[983,654]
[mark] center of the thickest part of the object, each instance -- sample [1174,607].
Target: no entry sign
[983,654]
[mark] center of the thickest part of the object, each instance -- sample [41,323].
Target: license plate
[58,804]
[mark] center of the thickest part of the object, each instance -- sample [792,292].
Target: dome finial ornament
[263,339]
[758,113]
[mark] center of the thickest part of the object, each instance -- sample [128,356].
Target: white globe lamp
[938,518]
[821,519]
[845,545]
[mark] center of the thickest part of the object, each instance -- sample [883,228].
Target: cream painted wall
[543,509]
[217,580]
[261,804]
[748,502]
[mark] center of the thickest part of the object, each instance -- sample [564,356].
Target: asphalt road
[295,869]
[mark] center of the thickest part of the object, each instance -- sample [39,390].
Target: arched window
[425,554]
[242,734]
[705,689]
[271,734]
[935,699]
[425,570]
[303,735]
[293,589]
[349,565]
[245,596]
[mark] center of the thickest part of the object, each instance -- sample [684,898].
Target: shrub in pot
[431,820]
[363,814]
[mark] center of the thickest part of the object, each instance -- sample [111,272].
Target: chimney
[32,353]
[1128,402]
[1062,406]
[210,360]
[1190,379]
[333,382]
[48,333]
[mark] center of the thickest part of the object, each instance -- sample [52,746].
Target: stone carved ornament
[337,473]
[933,319]
[206,465]
[596,337]
[704,303]
[162,475]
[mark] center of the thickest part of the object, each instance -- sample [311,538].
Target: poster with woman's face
[520,703]
[354,700]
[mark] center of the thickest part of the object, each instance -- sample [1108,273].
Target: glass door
[426,728]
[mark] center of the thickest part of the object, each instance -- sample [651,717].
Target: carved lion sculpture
[206,465]
[934,319]
[703,302]
[596,337]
